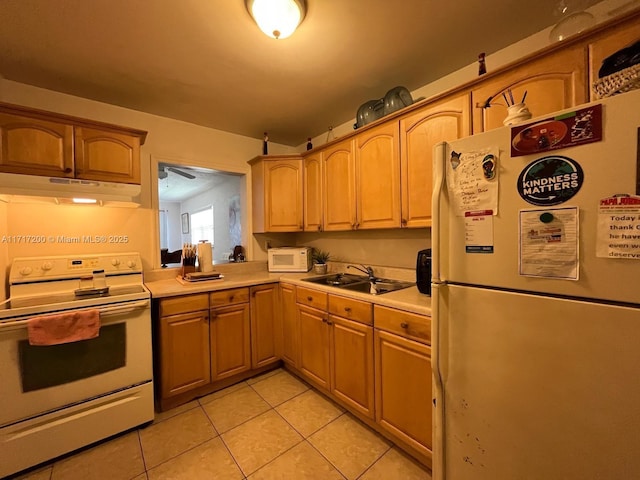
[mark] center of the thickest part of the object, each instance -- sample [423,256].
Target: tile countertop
[166,285]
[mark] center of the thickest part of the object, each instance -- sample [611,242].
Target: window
[202,225]
[164,229]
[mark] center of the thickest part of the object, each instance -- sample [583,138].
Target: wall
[166,139]
[601,12]
[4,251]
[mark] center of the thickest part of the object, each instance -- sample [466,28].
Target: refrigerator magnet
[549,243]
[478,231]
[550,180]
[618,231]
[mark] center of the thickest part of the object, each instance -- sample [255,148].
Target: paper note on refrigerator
[549,243]
[472,179]
[619,227]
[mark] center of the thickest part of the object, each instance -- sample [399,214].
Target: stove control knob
[46,266]
[131,264]
[26,271]
[115,262]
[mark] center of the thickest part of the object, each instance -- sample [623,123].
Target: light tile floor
[270,427]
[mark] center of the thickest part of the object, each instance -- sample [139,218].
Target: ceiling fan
[163,172]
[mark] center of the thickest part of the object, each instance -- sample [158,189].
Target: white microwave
[289,259]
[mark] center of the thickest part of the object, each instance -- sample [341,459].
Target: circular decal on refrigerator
[550,180]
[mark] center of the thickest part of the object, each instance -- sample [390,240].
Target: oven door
[38,379]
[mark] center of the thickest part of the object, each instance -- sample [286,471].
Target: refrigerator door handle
[438,392]
[440,151]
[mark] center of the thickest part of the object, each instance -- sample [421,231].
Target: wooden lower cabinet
[211,340]
[290,331]
[403,389]
[336,353]
[352,364]
[184,343]
[230,337]
[264,301]
[314,345]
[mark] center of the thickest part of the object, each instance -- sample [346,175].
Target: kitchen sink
[360,283]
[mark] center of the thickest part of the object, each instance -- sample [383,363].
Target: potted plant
[320,259]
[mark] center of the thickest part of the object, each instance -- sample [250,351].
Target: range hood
[64,190]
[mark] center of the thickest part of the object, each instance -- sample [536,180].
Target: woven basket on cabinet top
[619,82]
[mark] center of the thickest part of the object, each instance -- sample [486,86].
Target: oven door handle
[105,311]
[119,310]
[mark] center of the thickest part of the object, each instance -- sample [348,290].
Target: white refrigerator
[536,306]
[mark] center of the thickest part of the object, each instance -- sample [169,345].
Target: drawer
[352,309]
[183,304]
[312,298]
[232,296]
[409,325]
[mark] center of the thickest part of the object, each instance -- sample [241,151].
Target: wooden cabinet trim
[183,304]
[351,309]
[230,296]
[311,298]
[407,324]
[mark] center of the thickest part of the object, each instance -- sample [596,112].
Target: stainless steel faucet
[365,269]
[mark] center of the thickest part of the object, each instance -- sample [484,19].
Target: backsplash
[385,248]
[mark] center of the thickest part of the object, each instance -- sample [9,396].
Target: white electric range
[57,398]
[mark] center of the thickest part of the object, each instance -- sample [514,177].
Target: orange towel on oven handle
[64,327]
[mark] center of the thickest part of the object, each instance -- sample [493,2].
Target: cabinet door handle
[404,325]
[319,228]
[68,170]
[213,315]
[329,322]
[324,320]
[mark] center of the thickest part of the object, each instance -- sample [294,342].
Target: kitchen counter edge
[408,299]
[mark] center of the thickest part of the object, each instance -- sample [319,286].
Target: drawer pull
[231,298]
[404,325]
[324,320]
[310,299]
[347,309]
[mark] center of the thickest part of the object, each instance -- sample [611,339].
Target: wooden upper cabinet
[420,131]
[277,193]
[35,142]
[377,161]
[607,43]
[552,82]
[339,203]
[109,156]
[312,198]
[35,147]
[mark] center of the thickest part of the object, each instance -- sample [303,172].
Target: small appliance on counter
[289,259]
[423,271]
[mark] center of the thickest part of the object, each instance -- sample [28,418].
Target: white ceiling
[173,187]
[206,62]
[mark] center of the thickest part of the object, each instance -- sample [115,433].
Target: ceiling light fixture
[277,18]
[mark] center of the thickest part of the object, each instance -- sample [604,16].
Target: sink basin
[338,279]
[360,283]
[379,287]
